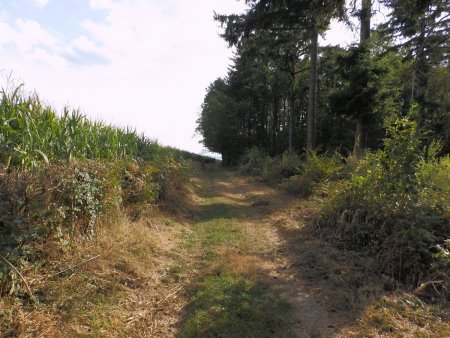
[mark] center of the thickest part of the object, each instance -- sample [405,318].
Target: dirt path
[239,234]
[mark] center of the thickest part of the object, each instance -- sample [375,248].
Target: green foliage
[64,201]
[141,183]
[60,173]
[394,205]
[437,114]
[254,162]
[280,167]
[322,167]
[264,97]
[57,200]
[82,195]
[295,175]
[435,177]
[51,200]
[270,169]
[315,169]
[299,185]
[218,122]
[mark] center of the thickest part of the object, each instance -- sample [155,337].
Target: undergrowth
[270,169]
[393,204]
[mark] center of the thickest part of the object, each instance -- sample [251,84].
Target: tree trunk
[290,124]
[358,137]
[275,126]
[419,75]
[311,113]
[365,16]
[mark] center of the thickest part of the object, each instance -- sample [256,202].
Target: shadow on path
[293,286]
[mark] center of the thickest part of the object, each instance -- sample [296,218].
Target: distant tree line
[285,93]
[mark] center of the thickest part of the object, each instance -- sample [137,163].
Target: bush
[394,206]
[60,172]
[253,162]
[140,183]
[322,167]
[299,185]
[64,201]
[271,169]
[281,167]
[315,169]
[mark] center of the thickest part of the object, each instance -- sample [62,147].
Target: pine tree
[306,18]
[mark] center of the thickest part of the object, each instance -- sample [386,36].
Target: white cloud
[31,34]
[26,34]
[31,43]
[41,3]
[85,44]
[100,4]
[6,33]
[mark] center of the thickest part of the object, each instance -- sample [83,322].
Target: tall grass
[32,132]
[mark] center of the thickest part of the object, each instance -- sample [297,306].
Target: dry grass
[119,293]
[363,302]
[400,315]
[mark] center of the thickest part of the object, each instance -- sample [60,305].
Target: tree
[422,29]
[218,122]
[306,18]
[365,18]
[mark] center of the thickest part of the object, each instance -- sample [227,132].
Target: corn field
[31,132]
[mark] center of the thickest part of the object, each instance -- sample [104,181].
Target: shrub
[393,206]
[281,167]
[299,185]
[316,168]
[58,174]
[253,162]
[64,201]
[322,167]
[140,183]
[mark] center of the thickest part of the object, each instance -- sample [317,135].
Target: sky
[145,64]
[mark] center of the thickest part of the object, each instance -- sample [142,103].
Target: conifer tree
[306,18]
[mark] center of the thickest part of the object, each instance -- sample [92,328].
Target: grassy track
[228,298]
